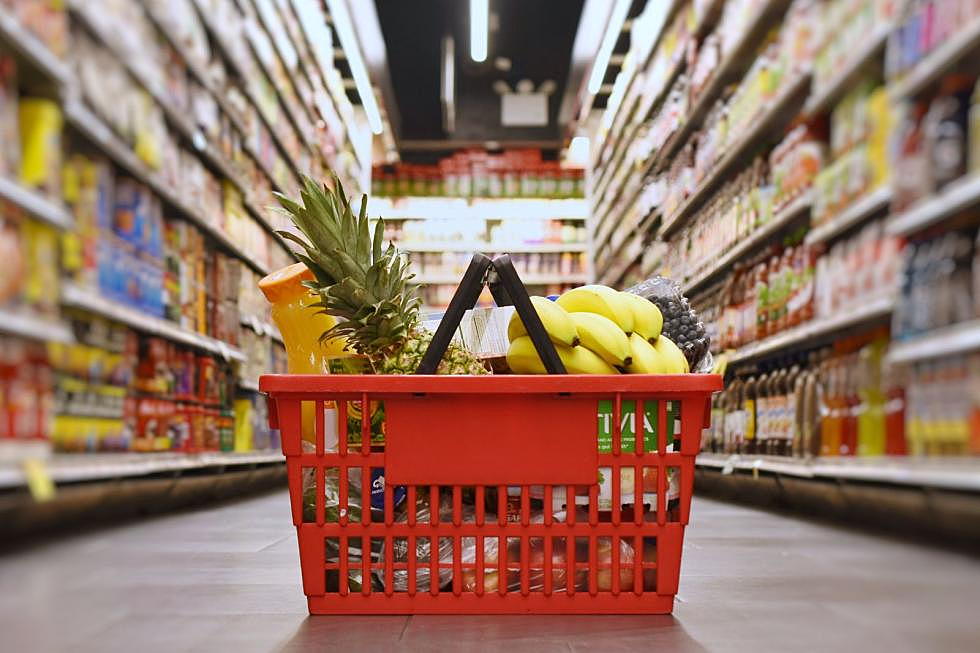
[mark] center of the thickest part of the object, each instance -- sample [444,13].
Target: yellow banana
[522,358]
[601,300]
[646,359]
[561,330]
[603,337]
[648,321]
[678,362]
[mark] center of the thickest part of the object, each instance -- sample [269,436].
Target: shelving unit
[82,298]
[51,211]
[33,50]
[77,468]
[947,341]
[751,243]
[731,64]
[612,174]
[937,62]
[958,196]
[90,125]
[25,325]
[761,128]
[962,474]
[858,212]
[815,331]
[825,96]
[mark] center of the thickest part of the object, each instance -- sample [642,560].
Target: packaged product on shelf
[9,123]
[40,122]
[26,400]
[938,284]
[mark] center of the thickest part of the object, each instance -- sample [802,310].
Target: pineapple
[363,284]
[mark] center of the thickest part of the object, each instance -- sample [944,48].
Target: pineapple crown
[359,281]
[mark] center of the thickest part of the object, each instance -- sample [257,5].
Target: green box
[628,424]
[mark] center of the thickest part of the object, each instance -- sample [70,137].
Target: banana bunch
[597,330]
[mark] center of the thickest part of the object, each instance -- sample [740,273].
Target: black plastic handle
[507,289]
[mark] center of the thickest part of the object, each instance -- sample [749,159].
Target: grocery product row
[821,212]
[143,145]
[113,389]
[477,173]
[848,400]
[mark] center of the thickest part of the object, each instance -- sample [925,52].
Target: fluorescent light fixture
[613,30]
[479,29]
[449,84]
[352,50]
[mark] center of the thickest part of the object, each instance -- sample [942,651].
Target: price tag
[729,465]
[38,480]
[755,469]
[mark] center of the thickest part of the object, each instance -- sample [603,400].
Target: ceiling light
[479,29]
[613,30]
[352,50]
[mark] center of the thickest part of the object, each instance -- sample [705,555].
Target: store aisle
[227,580]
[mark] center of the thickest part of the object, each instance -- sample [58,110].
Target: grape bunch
[681,322]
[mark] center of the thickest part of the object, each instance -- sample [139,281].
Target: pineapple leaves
[379,235]
[360,280]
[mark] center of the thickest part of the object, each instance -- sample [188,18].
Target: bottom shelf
[74,468]
[959,473]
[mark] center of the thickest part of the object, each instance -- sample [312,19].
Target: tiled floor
[227,579]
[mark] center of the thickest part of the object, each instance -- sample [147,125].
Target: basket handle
[507,289]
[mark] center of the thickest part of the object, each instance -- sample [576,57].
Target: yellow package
[882,122]
[40,142]
[244,436]
[41,288]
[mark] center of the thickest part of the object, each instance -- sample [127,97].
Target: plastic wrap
[681,322]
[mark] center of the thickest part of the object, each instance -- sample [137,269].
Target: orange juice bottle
[301,325]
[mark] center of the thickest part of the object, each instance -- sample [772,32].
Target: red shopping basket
[490,494]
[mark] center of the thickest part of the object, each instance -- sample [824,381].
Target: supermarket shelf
[826,96]
[624,261]
[859,211]
[947,341]
[102,135]
[623,126]
[83,298]
[218,39]
[24,325]
[759,129]
[32,48]
[250,385]
[459,208]
[17,450]
[793,210]
[198,71]
[36,204]
[177,118]
[936,63]
[755,30]
[261,327]
[947,472]
[957,196]
[529,279]
[819,328]
[74,468]
[544,248]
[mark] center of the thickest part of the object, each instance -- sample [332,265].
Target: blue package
[378,490]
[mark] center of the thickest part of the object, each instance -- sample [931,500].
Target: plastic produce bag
[423,546]
[681,322]
[535,562]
